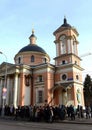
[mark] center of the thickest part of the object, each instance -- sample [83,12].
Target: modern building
[34,80]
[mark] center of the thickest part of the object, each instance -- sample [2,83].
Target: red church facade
[34,80]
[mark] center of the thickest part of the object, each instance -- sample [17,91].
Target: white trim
[57,49]
[43,70]
[65,70]
[69,46]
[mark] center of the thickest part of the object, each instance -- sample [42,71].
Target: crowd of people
[47,113]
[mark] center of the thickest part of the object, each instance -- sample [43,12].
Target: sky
[19,17]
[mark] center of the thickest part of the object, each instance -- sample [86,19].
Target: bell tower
[66,44]
[68,78]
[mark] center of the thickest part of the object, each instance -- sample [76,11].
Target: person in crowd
[72,112]
[88,112]
[46,113]
[12,110]
[68,111]
[78,111]
[51,113]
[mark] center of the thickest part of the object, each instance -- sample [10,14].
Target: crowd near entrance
[47,113]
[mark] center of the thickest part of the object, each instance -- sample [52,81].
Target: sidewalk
[76,121]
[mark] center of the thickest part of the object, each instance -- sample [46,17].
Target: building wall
[26,58]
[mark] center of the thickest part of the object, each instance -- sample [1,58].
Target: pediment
[4,65]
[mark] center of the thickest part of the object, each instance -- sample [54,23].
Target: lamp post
[4,90]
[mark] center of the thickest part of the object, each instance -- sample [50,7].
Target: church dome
[32,54]
[32,47]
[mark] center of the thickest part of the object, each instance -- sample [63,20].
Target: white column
[69,46]
[57,50]
[15,90]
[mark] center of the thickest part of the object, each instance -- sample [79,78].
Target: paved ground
[7,124]
[79,121]
[68,121]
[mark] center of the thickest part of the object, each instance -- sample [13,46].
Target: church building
[34,80]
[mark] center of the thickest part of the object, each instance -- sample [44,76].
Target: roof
[32,47]
[65,25]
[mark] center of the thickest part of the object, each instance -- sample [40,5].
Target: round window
[64,76]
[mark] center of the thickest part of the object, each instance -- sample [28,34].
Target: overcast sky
[18,17]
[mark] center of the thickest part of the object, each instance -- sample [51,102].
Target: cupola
[32,38]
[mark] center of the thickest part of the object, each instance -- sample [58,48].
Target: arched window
[32,58]
[45,60]
[63,44]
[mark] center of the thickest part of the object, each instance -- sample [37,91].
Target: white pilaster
[57,50]
[69,46]
[15,90]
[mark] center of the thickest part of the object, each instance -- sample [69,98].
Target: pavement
[68,121]
[78,121]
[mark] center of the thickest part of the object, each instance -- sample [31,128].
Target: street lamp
[4,90]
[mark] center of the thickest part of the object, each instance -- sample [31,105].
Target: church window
[63,62]
[40,78]
[44,60]
[77,77]
[40,96]
[76,62]
[64,77]
[32,58]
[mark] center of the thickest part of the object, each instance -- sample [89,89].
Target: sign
[4,93]
[4,90]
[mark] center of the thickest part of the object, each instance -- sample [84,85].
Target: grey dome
[32,47]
